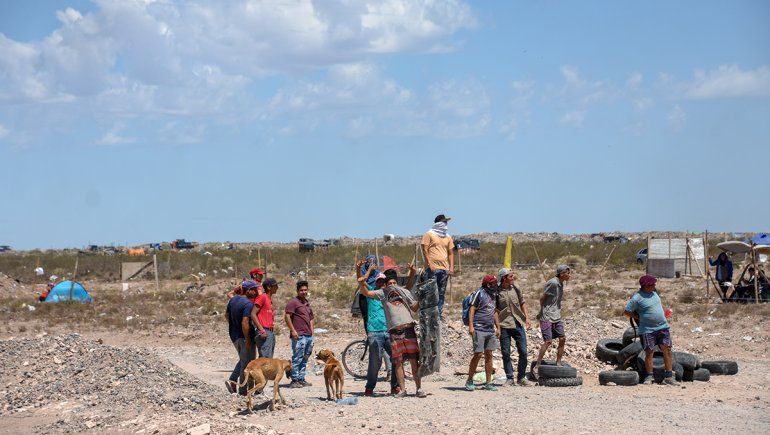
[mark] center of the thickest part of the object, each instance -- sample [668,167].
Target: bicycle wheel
[354,359]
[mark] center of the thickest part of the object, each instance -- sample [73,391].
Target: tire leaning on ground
[555,372]
[561,382]
[545,362]
[628,336]
[619,377]
[607,350]
[702,375]
[722,367]
[687,360]
[627,356]
[658,366]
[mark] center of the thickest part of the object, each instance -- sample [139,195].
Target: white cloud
[574,118]
[509,129]
[677,117]
[187,58]
[4,131]
[729,81]
[642,104]
[635,81]
[114,136]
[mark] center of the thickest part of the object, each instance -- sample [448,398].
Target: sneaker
[400,394]
[469,385]
[395,390]
[524,382]
[648,380]
[490,387]
[230,386]
[368,392]
[305,383]
[420,393]
[295,384]
[510,383]
[671,381]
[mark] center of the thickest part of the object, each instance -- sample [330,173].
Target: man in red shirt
[263,310]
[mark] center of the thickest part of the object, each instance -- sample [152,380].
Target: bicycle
[356,362]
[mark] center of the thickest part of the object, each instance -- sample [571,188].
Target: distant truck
[306,245]
[182,244]
[5,248]
[466,245]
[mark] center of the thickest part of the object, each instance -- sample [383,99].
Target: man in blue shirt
[238,313]
[484,328]
[645,307]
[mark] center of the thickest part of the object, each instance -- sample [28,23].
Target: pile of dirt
[96,387]
[12,288]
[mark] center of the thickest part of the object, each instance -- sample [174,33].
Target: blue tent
[761,239]
[61,292]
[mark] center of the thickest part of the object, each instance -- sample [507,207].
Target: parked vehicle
[466,245]
[306,245]
[5,248]
[182,244]
[641,256]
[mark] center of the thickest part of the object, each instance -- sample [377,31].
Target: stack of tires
[551,375]
[628,354]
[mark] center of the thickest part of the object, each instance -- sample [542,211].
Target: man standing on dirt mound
[437,248]
[551,325]
[238,313]
[513,319]
[265,319]
[645,307]
[299,319]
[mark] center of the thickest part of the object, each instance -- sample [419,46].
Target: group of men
[251,323]
[497,319]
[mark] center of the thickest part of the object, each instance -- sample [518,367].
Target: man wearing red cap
[645,307]
[256,274]
[484,327]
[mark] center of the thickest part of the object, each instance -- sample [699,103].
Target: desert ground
[148,361]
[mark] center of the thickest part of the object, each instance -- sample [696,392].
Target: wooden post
[75,275]
[539,263]
[155,269]
[601,272]
[756,272]
[259,258]
[706,260]
[459,260]
[647,262]
[307,268]
[377,252]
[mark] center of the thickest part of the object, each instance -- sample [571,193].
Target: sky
[137,121]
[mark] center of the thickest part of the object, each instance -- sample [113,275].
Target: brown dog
[260,371]
[333,375]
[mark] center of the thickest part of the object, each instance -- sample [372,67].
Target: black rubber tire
[561,382]
[702,375]
[722,367]
[619,377]
[687,360]
[628,336]
[545,362]
[555,372]
[658,366]
[607,350]
[627,357]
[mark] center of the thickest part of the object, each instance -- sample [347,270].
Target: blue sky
[142,121]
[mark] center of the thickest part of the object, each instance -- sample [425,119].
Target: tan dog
[333,375]
[260,371]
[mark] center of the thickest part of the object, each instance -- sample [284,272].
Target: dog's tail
[245,379]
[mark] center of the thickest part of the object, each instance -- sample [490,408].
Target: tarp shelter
[61,292]
[668,256]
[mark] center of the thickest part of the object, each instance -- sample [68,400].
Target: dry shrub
[576,262]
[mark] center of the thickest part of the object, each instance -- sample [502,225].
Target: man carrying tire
[551,325]
[645,307]
[513,319]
